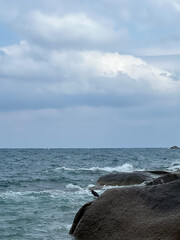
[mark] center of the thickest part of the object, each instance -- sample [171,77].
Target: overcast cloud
[89,74]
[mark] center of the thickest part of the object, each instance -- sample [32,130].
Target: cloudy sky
[100,73]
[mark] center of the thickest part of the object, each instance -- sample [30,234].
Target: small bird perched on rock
[95,193]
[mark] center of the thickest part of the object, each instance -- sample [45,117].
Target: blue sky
[101,73]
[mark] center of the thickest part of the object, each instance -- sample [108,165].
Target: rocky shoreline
[148,212]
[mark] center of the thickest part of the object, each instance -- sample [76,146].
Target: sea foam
[175,166]
[123,168]
[77,189]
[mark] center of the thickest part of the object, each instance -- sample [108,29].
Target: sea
[42,189]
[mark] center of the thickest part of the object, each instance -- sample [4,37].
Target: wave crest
[123,168]
[174,166]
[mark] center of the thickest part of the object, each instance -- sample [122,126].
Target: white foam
[123,168]
[18,196]
[73,191]
[29,195]
[175,166]
[72,186]
[65,168]
[77,189]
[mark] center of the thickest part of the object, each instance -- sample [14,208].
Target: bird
[94,193]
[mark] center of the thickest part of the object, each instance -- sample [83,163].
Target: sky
[89,74]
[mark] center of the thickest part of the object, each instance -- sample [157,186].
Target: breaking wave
[174,166]
[123,168]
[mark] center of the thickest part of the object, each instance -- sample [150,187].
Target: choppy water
[42,189]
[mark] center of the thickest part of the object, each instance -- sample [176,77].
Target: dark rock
[133,213]
[124,178]
[78,217]
[156,172]
[96,187]
[174,147]
[164,179]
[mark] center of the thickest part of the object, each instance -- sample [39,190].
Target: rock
[96,187]
[79,216]
[174,147]
[124,178]
[156,172]
[132,213]
[164,179]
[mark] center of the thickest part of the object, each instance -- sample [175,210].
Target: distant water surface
[42,189]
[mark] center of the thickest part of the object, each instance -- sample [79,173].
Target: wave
[18,196]
[71,191]
[29,195]
[77,189]
[123,168]
[174,166]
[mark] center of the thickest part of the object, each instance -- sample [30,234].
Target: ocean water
[42,189]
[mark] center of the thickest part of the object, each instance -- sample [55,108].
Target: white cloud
[114,70]
[53,60]
[75,30]
[110,64]
[82,72]
[74,74]
[117,25]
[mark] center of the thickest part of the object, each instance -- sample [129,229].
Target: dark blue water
[42,189]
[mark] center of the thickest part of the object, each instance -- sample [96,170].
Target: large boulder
[124,178]
[164,179]
[132,213]
[127,178]
[79,216]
